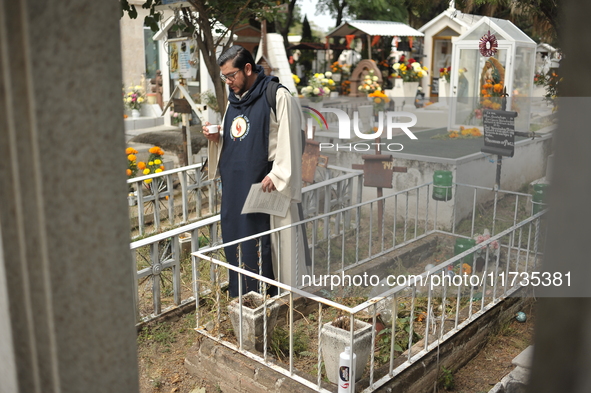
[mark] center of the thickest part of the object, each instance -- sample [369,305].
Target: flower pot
[135,113]
[462,245]
[132,198]
[442,185]
[410,89]
[398,89]
[253,320]
[334,341]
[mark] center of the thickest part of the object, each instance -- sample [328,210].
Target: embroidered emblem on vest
[240,127]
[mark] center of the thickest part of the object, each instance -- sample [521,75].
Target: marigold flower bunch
[379,100]
[154,164]
[131,161]
[346,87]
[336,67]
[465,133]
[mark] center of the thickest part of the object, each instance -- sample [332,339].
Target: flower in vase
[134,98]
[409,71]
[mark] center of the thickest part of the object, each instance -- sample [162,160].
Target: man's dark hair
[239,56]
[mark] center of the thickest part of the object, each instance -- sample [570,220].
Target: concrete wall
[527,165]
[66,305]
[234,372]
[133,56]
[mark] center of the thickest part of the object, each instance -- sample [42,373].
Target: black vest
[243,162]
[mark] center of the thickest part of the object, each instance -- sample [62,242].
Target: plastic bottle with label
[347,361]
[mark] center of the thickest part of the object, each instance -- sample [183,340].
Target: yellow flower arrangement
[370,84]
[410,71]
[135,97]
[319,85]
[154,162]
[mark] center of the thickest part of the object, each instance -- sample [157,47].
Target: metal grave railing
[397,303]
[162,262]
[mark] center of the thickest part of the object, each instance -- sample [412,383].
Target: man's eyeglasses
[229,77]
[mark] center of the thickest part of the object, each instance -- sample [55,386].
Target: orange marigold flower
[498,88]
[467,269]
[162,167]
[130,150]
[476,132]
[160,152]
[128,172]
[131,157]
[141,165]
[154,150]
[483,91]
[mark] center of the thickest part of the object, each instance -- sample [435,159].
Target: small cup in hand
[213,129]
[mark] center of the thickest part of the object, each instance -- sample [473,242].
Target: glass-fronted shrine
[478,82]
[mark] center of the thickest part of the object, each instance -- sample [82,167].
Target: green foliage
[161,333]
[446,379]
[208,98]
[386,10]
[280,342]
[401,336]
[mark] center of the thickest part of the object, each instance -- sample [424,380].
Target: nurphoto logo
[387,121]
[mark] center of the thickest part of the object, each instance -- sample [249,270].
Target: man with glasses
[257,145]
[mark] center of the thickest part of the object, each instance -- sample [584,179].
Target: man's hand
[210,137]
[268,185]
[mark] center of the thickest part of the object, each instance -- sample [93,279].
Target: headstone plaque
[499,132]
[310,160]
[377,171]
[181,105]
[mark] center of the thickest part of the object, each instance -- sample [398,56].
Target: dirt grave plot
[416,316]
[422,253]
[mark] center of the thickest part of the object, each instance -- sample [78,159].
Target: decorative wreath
[488,45]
